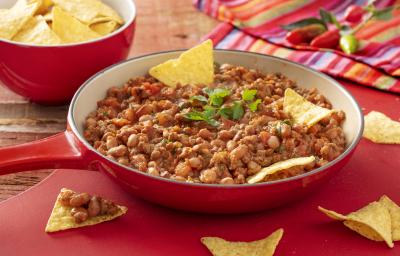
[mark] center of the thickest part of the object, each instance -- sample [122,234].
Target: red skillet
[70,150]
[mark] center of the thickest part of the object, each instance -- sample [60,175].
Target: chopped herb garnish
[214,105]
[199,98]
[237,110]
[225,112]
[206,115]
[254,105]
[249,95]
[195,116]
[216,96]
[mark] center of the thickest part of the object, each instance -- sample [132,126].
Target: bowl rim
[342,156]
[127,23]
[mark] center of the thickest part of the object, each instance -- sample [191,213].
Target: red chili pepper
[328,39]
[354,13]
[305,34]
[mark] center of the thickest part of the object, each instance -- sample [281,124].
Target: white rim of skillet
[101,38]
[350,148]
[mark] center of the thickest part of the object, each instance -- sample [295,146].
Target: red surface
[51,75]
[148,229]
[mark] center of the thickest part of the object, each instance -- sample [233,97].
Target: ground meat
[142,125]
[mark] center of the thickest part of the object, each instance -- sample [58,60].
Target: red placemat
[150,230]
[254,25]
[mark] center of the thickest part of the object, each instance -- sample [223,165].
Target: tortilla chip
[37,31]
[105,28]
[372,221]
[44,6]
[381,129]
[263,247]
[12,20]
[48,17]
[88,10]
[303,111]
[69,29]
[279,166]
[332,214]
[61,219]
[100,19]
[194,66]
[394,211]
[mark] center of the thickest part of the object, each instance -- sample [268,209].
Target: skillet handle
[57,151]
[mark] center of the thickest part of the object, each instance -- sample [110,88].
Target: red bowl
[52,74]
[70,150]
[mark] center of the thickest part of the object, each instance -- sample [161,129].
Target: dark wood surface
[161,25]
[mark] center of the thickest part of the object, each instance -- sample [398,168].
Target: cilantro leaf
[213,122]
[209,111]
[195,116]
[248,95]
[208,91]
[254,105]
[206,115]
[216,96]
[200,98]
[226,112]
[237,110]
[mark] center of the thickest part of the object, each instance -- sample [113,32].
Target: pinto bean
[253,167]
[239,152]
[153,171]
[273,142]
[227,181]
[111,142]
[144,110]
[205,134]
[118,151]
[80,214]
[183,169]
[94,206]
[78,200]
[231,145]
[208,176]
[65,197]
[133,140]
[196,163]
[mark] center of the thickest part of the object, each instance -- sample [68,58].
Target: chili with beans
[144,125]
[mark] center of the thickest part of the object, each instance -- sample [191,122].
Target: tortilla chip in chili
[263,247]
[303,111]
[279,166]
[61,218]
[194,66]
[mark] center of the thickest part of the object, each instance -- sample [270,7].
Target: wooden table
[161,25]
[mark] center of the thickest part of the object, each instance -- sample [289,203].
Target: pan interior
[95,88]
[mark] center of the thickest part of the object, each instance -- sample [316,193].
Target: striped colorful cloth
[254,25]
